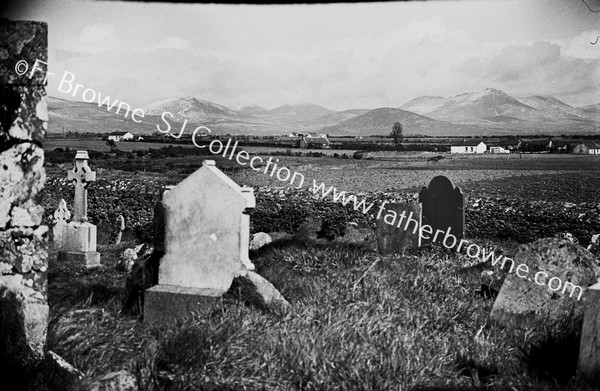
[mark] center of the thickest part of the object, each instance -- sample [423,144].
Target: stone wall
[23,241]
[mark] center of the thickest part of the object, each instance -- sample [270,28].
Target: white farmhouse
[119,136]
[469,146]
[498,149]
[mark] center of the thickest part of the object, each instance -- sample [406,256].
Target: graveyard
[361,314]
[178,269]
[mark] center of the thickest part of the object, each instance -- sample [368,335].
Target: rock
[491,282]
[568,236]
[522,299]
[23,324]
[594,246]
[258,240]
[256,290]
[115,381]
[127,259]
[144,275]
[130,255]
[60,374]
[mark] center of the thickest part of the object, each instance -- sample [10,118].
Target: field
[358,321]
[101,146]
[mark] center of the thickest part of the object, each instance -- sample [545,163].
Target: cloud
[93,39]
[538,68]
[170,43]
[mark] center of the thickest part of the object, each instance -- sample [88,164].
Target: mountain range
[488,112]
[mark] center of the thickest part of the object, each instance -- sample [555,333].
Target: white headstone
[206,230]
[206,235]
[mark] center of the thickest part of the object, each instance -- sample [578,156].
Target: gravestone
[206,235]
[79,237]
[61,219]
[443,208]
[589,346]
[528,296]
[120,229]
[398,227]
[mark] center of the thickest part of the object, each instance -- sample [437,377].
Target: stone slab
[398,228]
[165,303]
[526,296]
[589,347]
[91,259]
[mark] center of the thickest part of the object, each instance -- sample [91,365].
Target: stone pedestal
[90,258]
[79,244]
[165,303]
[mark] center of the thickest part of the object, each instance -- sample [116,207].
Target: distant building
[498,149]
[469,146]
[543,145]
[308,142]
[510,144]
[560,146]
[120,136]
[587,147]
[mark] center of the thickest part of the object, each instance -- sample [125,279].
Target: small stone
[258,240]
[5,268]
[255,289]
[127,259]
[60,374]
[115,381]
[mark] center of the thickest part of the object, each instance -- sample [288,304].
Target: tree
[112,144]
[397,133]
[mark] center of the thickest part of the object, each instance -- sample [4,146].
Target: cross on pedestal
[81,175]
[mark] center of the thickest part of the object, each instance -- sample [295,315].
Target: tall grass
[357,322]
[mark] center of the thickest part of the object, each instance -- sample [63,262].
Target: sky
[340,56]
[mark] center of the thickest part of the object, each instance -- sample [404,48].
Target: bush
[357,155]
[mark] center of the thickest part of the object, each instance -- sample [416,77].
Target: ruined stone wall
[23,242]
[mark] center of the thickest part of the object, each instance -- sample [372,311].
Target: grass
[358,322]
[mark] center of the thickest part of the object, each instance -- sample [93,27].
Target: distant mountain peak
[190,108]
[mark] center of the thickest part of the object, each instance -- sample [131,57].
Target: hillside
[303,112]
[339,116]
[380,121]
[488,112]
[424,104]
[68,116]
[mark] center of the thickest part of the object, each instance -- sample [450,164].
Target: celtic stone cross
[81,175]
